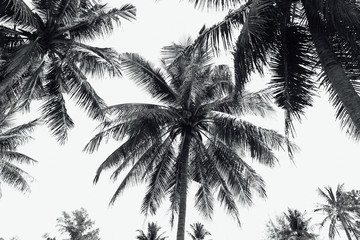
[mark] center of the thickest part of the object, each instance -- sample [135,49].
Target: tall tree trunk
[184,157]
[345,226]
[332,67]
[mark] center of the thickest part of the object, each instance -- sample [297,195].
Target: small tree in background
[78,225]
[291,225]
[340,207]
[152,234]
[198,231]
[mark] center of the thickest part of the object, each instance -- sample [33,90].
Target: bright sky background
[64,173]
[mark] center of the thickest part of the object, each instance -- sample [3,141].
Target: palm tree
[43,55]
[294,38]
[198,231]
[290,226]
[153,233]
[10,139]
[338,209]
[192,133]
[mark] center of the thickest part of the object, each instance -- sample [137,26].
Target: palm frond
[136,173]
[18,64]
[12,138]
[217,4]
[242,179]
[17,11]
[54,109]
[256,39]
[98,22]
[342,114]
[222,31]
[96,61]
[147,76]
[259,141]
[16,157]
[81,90]
[126,153]
[32,88]
[14,176]
[198,171]
[159,177]
[225,197]
[64,11]
[291,83]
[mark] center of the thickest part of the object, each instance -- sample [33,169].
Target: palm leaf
[96,61]
[18,64]
[255,40]
[17,11]
[159,177]
[147,76]
[217,4]
[222,31]
[14,176]
[11,156]
[81,90]
[136,172]
[98,22]
[54,109]
[291,82]
[204,196]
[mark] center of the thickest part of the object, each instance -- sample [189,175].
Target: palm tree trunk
[332,67]
[184,156]
[345,226]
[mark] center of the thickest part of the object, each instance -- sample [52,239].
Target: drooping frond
[291,83]
[159,176]
[54,109]
[220,34]
[341,112]
[147,76]
[204,200]
[96,61]
[81,90]
[255,40]
[16,157]
[136,173]
[14,176]
[10,139]
[240,176]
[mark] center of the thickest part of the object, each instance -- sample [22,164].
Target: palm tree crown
[193,134]
[198,231]
[290,226]
[338,208]
[43,55]
[152,234]
[294,38]
[10,139]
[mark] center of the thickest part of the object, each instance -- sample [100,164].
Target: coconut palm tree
[192,133]
[198,231]
[43,55]
[290,226]
[152,233]
[338,209]
[294,38]
[10,139]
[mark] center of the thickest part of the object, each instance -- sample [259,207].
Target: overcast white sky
[64,174]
